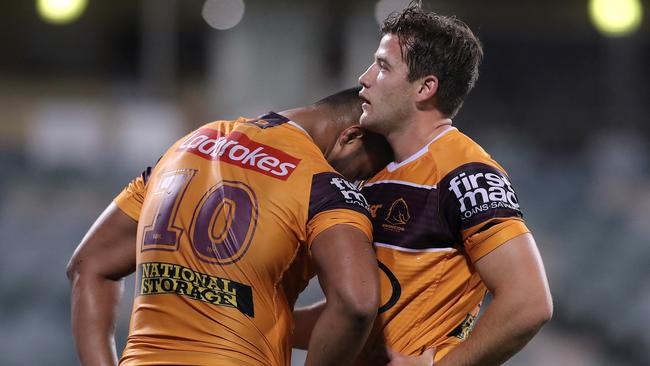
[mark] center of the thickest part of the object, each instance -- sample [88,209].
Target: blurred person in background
[231,223]
[446,219]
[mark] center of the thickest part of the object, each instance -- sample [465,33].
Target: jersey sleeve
[481,207]
[333,201]
[132,196]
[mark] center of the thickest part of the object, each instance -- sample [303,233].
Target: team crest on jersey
[480,188]
[398,215]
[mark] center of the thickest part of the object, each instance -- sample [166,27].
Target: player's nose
[363,79]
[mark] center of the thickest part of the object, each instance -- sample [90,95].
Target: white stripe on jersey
[393,166]
[409,250]
[402,182]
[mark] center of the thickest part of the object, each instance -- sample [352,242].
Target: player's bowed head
[333,123]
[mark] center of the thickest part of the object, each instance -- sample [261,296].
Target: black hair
[346,105]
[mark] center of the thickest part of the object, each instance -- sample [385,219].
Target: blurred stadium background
[92,91]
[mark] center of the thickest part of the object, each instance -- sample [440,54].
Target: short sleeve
[327,219]
[132,196]
[333,201]
[481,207]
[498,233]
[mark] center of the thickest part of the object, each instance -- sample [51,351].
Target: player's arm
[105,255]
[305,319]
[521,304]
[347,270]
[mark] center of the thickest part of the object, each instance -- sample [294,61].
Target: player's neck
[416,134]
[311,121]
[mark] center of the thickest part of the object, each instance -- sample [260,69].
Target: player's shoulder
[225,126]
[471,179]
[211,129]
[455,151]
[291,139]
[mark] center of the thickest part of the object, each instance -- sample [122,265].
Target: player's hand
[398,359]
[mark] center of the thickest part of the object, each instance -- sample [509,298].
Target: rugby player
[447,222]
[224,233]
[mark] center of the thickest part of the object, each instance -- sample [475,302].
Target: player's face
[360,158]
[388,95]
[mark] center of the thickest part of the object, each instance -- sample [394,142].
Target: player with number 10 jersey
[225,223]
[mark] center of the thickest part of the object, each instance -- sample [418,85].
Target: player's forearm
[304,322]
[94,311]
[339,335]
[507,325]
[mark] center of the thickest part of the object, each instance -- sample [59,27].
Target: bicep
[516,265]
[343,257]
[108,248]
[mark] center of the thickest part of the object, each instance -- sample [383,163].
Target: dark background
[86,105]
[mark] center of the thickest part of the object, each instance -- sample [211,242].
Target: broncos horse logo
[398,214]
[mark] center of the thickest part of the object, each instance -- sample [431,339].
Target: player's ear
[427,88]
[351,135]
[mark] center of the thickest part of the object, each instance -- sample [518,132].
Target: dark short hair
[439,45]
[346,104]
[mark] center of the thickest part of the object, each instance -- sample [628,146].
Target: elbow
[539,313]
[527,312]
[75,268]
[365,311]
[72,269]
[363,317]
[545,311]
[362,307]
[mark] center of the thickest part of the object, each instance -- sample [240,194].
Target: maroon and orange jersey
[225,223]
[434,215]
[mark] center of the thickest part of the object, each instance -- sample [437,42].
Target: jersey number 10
[222,224]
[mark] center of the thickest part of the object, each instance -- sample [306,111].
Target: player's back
[221,253]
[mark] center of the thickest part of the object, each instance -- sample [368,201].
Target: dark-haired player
[231,224]
[446,219]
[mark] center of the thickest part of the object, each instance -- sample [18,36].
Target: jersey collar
[393,166]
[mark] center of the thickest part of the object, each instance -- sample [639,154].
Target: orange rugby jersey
[434,215]
[225,221]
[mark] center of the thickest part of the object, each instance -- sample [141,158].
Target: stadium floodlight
[223,14]
[60,12]
[616,18]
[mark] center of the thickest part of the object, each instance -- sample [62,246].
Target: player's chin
[368,122]
[365,120]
